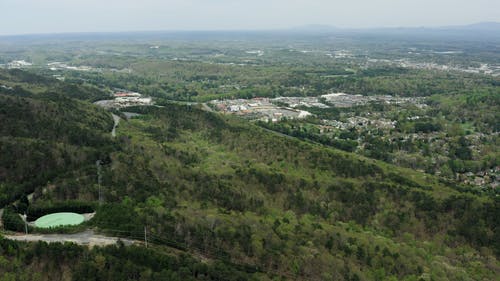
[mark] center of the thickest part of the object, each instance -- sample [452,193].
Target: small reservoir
[59,219]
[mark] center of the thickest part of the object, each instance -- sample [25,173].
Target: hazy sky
[54,16]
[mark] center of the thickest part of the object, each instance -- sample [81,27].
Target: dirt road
[87,237]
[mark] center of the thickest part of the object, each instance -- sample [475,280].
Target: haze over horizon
[61,16]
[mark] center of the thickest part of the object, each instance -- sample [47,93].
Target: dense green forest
[46,135]
[252,196]
[203,183]
[222,198]
[41,261]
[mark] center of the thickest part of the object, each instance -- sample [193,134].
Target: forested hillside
[46,135]
[226,190]
[22,81]
[221,198]
[233,189]
[47,262]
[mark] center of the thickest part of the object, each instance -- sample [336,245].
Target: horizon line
[303,28]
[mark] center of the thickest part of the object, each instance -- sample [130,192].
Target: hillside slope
[231,191]
[222,199]
[43,136]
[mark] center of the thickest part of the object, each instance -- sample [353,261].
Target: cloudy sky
[55,16]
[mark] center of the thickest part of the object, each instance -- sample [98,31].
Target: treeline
[54,117]
[348,145]
[35,211]
[56,261]
[41,83]
[11,219]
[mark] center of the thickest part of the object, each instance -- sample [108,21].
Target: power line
[208,251]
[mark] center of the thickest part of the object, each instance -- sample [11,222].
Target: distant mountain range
[481,26]
[484,26]
[476,31]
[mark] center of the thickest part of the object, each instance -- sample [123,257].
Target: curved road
[87,237]
[116,120]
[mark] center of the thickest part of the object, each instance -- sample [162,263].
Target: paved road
[206,107]
[116,120]
[87,237]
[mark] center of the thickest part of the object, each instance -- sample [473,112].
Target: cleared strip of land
[87,237]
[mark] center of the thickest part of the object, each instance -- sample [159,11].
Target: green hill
[223,199]
[234,192]
[45,135]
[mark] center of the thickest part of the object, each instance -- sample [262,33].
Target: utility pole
[26,224]
[145,236]
[98,164]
